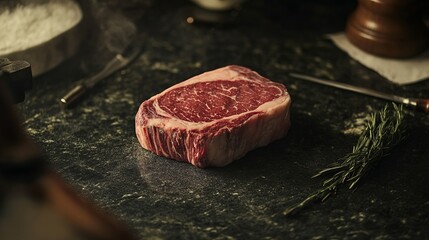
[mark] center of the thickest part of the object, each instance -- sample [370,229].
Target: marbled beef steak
[215,117]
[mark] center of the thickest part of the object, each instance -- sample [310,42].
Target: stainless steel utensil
[418,103]
[121,60]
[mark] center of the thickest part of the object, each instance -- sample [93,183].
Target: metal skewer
[418,103]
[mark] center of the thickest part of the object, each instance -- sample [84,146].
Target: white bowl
[218,5]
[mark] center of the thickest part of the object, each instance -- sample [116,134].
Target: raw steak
[215,117]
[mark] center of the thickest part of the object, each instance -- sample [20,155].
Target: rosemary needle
[383,131]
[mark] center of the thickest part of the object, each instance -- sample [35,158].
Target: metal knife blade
[131,52]
[419,103]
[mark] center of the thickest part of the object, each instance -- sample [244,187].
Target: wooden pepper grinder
[388,28]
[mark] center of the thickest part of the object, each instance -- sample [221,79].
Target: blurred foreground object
[35,203]
[17,75]
[388,28]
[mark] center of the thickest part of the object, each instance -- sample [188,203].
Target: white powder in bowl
[31,23]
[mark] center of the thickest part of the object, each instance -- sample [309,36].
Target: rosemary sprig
[382,132]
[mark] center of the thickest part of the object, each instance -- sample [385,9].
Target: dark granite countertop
[94,147]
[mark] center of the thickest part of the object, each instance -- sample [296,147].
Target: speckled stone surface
[94,146]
